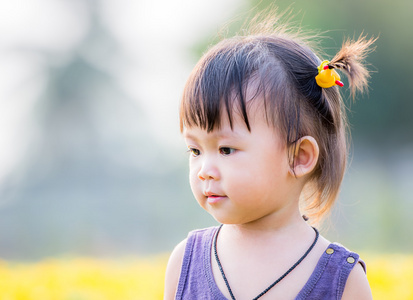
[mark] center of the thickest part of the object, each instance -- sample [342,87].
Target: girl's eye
[194,151]
[226,151]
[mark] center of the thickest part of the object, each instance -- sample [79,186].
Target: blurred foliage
[390,277]
[89,183]
[84,279]
[95,181]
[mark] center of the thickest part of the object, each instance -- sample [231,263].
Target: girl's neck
[287,217]
[266,230]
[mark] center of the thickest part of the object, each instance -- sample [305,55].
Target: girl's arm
[357,287]
[173,271]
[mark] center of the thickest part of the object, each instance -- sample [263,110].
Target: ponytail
[324,186]
[350,60]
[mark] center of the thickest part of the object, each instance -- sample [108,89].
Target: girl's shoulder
[342,254]
[353,273]
[173,270]
[357,285]
[340,270]
[174,267]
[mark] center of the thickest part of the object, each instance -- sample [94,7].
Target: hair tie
[327,76]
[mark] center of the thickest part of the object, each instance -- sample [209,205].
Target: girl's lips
[213,199]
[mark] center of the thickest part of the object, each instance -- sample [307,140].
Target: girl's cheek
[194,181]
[192,172]
[194,167]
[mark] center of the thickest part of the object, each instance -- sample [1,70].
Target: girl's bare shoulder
[357,286]
[173,270]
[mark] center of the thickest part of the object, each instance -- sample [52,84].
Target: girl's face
[240,176]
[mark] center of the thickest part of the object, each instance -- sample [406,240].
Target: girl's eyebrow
[189,136]
[216,134]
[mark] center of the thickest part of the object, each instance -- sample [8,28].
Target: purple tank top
[197,281]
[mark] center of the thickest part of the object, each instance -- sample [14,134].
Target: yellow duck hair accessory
[327,76]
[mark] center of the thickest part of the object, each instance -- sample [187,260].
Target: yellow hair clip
[327,77]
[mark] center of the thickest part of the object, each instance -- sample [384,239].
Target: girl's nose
[208,171]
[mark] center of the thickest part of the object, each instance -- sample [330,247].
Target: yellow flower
[137,278]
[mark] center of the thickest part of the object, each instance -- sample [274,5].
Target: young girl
[266,130]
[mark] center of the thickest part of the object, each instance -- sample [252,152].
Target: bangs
[231,75]
[218,85]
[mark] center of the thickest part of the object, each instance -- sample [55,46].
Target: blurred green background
[91,159]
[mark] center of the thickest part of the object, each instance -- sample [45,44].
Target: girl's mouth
[213,199]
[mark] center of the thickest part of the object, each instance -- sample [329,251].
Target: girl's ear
[305,156]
